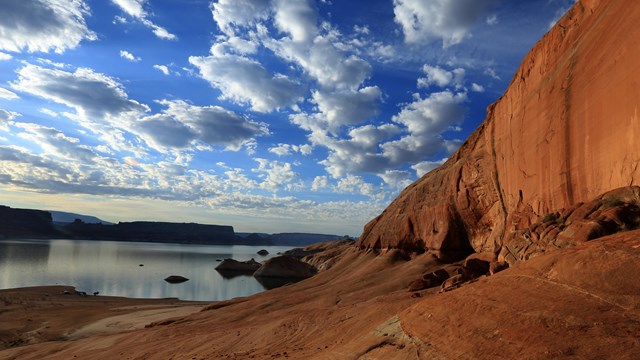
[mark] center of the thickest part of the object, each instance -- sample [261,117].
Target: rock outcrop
[232,265]
[564,132]
[285,267]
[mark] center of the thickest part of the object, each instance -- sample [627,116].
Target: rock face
[26,223]
[285,267]
[564,132]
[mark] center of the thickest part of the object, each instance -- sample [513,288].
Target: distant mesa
[175,279]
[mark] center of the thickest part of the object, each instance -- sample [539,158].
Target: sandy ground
[38,314]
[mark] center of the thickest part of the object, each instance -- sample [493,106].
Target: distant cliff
[27,223]
[23,223]
[165,232]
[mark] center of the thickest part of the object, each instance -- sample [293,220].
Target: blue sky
[268,115]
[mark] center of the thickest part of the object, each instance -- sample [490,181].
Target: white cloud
[491,72]
[342,108]
[183,124]
[6,118]
[424,167]
[162,68]
[434,114]
[449,20]
[129,56]
[288,149]
[323,61]
[297,18]
[477,88]
[352,184]
[396,178]
[44,25]
[92,95]
[55,143]
[135,9]
[7,94]
[441,77]
[279,175]
[233,13]
[319,183]
[243,80]
[48,112]
[5,56]
[492,19]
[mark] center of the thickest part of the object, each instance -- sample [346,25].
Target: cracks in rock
[572,288]
[496,178]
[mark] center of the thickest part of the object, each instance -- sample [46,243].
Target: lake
[113,268]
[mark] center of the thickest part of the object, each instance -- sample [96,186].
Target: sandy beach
[34,315]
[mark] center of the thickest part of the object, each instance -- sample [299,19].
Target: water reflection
[113,268]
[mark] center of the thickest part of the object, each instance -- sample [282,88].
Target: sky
[267,115]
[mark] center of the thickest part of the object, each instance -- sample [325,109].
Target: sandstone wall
[565,131]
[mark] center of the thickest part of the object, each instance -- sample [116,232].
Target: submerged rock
[175,279]
[285,267]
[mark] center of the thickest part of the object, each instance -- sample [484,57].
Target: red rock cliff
[566,130]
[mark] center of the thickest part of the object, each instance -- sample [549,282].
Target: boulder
[497,266]
[263,252]
[285,267]
[175,279]
[248,266]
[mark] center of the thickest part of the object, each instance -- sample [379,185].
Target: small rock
[497,266]
[248,266]
[419,284]
[141,265]
[263,252]
[175,279]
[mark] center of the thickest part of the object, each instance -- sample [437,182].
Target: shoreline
[37,314]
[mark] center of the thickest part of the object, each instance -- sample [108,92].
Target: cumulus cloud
[278,175]
[129,56]
[297,18]
[440,77]
[448,20]
[396,178]
[181,125]
[233,13]
[375,149]
[342,108]
[5,56]
[323,61]
[319,183]
[246,81]
[92,95]
[8,94]
[135,9]
[352,184]
[44,25]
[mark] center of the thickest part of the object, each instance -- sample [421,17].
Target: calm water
[112,268]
